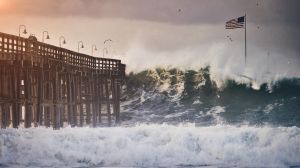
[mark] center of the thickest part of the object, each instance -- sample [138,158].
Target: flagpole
[245,41]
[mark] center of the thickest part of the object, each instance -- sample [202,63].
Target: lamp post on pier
[62,38]
[82,46]
[24,32]
[105,43]
[93,48]
[106,51]
[47,37]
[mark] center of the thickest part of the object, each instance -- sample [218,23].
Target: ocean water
[175,118]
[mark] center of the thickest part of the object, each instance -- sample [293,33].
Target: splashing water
[152,145]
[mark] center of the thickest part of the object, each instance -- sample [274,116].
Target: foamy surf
[152,146]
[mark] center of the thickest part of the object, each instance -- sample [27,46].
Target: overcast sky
[185,33]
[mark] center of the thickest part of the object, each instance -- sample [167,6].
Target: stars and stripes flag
[239,22]
[235,23]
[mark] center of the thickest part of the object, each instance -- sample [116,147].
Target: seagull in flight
[229,38]
[107,40]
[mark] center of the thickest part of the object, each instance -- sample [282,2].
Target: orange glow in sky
[2,3]
[4,6]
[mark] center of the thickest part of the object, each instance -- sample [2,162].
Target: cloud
[191,11]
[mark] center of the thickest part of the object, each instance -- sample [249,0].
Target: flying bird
[259,2]
[107,40]
[229,38]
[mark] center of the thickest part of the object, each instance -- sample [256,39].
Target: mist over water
[226,60]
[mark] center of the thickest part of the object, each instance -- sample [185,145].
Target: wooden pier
[45,85]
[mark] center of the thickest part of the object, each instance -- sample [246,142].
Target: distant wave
[151,146]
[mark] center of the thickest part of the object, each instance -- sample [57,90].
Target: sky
[169,33]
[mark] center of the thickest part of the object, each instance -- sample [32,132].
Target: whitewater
[175,118]
[152,145]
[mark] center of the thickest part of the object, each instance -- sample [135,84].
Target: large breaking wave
[173,95]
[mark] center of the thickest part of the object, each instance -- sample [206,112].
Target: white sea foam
[215,113]
[176,115]
[151,145]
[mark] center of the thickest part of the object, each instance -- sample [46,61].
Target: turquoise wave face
[174,96]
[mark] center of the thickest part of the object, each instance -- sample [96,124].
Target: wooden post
[74,102]
[118,92]
[2,80]
[18,94]
[27,87]
[68,90]
[79,91]
[14,96]
[60,99]
[74,99]
[94,99]
[101,97]
[56,112]
[47,116]
[5,111]
[39,107]
[113,92]
[47,96]
[89,100]
[3,119]
[107,102]
[1,110]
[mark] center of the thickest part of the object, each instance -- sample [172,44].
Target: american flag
[235,23]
